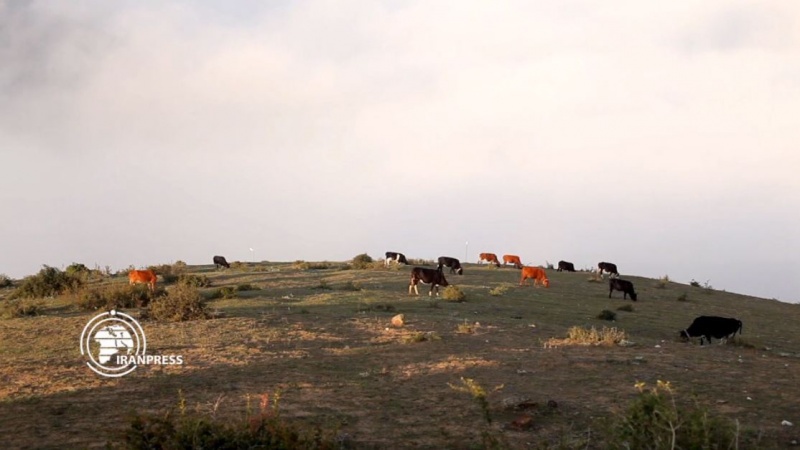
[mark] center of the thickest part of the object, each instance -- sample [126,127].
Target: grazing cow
[608,267]
[563,265]
[489,258]
[537,274]
[394,256]
[512,259]
[434,277]
[621,285]
[143,276]
[712,326]
[219,261]
[452,263]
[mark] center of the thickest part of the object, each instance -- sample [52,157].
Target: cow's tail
[741,326]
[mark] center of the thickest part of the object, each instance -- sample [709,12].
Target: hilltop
[320,334]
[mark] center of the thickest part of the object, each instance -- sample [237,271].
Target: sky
[661,136]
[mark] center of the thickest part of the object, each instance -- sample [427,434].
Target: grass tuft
[453,294]
[591,336]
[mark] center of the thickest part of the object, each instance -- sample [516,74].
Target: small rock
[722,402]
[516,402]
[398,320]
[750,399]
[658,346]
[552,404]
[786,423]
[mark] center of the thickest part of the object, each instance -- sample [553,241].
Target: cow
[512,259]
[608,267]
[537,274]
[219,261]
[621,285]
[143,276]
[394,256]
[712,326]
[563,265]
[434,277]
[452,263]
[489,258]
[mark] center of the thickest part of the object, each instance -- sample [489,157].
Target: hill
[320,335]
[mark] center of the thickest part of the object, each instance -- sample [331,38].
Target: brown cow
[143,276]
[512,259]
[490,258]
[537,274]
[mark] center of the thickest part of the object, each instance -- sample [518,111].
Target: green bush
[607,315]
[180,304]
[246,287]
[194,280]
[655,420]
[5,281]
[20,308]
[169,273]
[116,296]
[225,292]
[454,294]
[694,283]
[49,282]
[361,262]
[683,297]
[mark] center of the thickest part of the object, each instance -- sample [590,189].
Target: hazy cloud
[659,136]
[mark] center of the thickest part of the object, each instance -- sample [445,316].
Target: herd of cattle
[704,326]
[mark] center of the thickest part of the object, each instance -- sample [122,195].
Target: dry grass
[340,366]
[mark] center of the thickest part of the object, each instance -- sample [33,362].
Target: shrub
[194,280]
[322,285]
[467,328]
[453,294]
[238,265]
[591,336]
[115,296]
[5,281]
[607,315]
[246,287]
[361,262]
[183,430]
[20,308]
[595,277]
[694,283]
[48,282]
[683,297]
[169,272]
[627,307]
[301,265]
[182,303]
[656,420]
[226,292]
[548,265]
[498,291]
[662,282]
[421,337]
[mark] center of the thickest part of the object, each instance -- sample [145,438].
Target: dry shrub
[5,281]
[454,294]
[49,282]
[361,262]
[590,336]
[194,280]
[20,308]
[182,303]
[595,277]
[607,315]
[499,291]
[662,282]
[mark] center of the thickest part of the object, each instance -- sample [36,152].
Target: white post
[466,251]
[252,255]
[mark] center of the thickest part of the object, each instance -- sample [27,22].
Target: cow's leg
[610,290]
[410,287]
[624,295]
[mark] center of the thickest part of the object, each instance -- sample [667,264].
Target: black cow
[220,261]
[394,256]
[608,267]
[452,263]
[563,265]
[621,285]
[712,326]
[434,277]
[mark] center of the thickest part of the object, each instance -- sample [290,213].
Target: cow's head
[460,271]
[633,296]
[546,283]
[683,334]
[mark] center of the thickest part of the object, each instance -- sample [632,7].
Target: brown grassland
[323,339]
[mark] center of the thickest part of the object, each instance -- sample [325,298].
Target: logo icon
[113,342]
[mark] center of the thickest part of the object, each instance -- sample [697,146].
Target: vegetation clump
[182,303]
[361,262]
[49,282]
[20,307]
[655,420]
[626,307]
[115,296]
[662,282]
[607,315]
[590,336]
[498,291]
[5,281]
[194,280]
[454,294]
[225,292]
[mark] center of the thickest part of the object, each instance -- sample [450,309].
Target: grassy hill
[322,339]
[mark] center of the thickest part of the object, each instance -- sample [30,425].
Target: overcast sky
[662,136]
